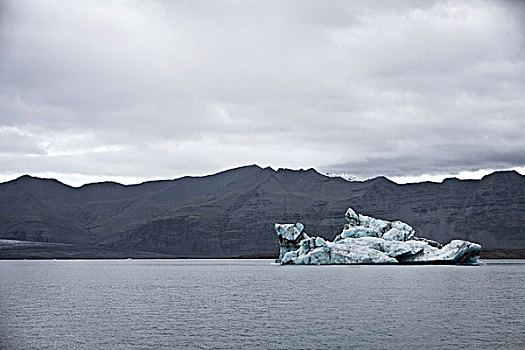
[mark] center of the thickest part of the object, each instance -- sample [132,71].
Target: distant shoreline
[503,254]
[28,254]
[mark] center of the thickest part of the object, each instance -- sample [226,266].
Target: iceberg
[367,240]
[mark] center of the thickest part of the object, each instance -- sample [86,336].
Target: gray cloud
[148,89]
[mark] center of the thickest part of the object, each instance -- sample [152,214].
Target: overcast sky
[137,90]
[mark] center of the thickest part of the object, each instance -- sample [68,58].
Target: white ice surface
[369,240]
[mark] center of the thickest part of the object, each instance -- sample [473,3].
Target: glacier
[367,240]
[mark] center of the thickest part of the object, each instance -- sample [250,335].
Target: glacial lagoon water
[255,304]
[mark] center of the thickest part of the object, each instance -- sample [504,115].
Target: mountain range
[232,213]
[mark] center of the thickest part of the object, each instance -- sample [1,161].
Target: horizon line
[136,181]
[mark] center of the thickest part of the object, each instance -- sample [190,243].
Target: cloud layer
[149,89]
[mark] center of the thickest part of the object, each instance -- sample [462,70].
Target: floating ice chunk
[289,232]
[367,240]
[317,251]
[290,235]
[399,231]
[410,248]
[366,226]
[352,217]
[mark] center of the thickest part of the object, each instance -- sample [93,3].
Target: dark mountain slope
[232,213]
